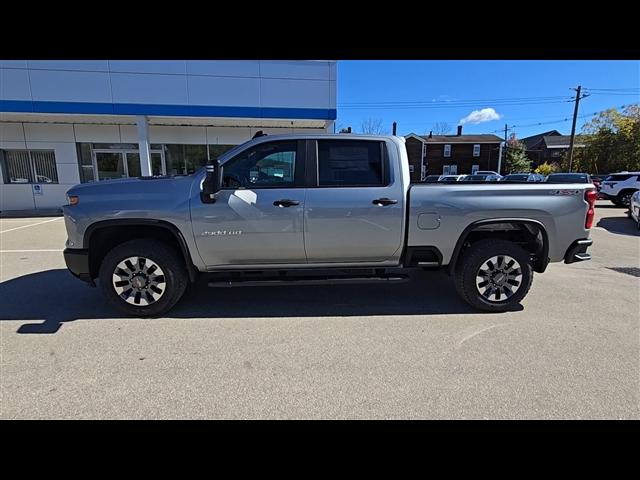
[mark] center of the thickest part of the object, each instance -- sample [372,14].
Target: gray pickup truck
[318,208]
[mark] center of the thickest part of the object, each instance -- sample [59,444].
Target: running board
[307,281]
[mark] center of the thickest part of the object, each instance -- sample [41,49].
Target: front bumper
[77,261]
[577,252]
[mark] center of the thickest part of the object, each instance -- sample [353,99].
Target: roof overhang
[161,120]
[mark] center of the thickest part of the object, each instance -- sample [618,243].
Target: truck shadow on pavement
[619,225]
[54,297]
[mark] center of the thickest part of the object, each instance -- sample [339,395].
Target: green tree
[613,142]
[516,160]
[545,169]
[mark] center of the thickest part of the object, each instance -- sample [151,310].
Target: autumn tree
[516,160]
[545,169]
[612,143]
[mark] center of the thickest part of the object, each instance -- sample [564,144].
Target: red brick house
[451,154]
[550,146]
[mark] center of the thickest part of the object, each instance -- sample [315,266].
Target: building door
[158,166]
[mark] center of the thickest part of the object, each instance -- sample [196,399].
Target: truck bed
[439,213]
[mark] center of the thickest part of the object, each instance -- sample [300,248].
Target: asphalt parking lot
[412,350]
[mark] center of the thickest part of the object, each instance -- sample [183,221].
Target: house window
[476,150]
[29,166]
[450,169]
[447,150]
[474,169]
[411,169]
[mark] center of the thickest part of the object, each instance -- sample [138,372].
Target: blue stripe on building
[167,110]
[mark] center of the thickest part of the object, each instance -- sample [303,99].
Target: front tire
[494,275]
[143,277]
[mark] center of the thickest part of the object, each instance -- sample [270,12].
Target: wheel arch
[100,237]
[528,227]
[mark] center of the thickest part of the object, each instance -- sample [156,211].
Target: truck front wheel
[143,277]
[494,275]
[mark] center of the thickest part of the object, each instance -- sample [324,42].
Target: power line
[428,102]
[566,119]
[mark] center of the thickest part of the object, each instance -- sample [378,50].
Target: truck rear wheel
[143,277]
[494,275]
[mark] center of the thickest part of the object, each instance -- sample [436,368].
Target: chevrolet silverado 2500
[314,209]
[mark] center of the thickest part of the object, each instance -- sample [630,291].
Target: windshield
[475,178]
[516,178]
[432,178]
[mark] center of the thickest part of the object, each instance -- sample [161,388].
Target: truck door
[257,217]
[354,213]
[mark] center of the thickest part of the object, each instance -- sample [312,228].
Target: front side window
[270,164]
[30,166]
[351,163]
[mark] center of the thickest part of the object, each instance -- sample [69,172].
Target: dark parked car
[523,177]
[432,179]
[569,178]
[481,178]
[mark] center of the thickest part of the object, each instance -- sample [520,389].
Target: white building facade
[69,122]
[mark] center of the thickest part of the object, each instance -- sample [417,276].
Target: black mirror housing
[212,182]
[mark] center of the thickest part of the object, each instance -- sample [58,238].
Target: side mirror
[212,182]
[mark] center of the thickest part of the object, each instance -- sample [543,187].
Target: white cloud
[481,116]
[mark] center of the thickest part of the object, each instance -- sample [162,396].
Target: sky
[481,95]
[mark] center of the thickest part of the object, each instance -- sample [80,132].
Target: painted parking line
[31,225]
[58,250]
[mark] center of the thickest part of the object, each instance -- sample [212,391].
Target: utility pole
[573,125]
[501,154]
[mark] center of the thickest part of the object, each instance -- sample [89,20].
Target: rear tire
[624,199]
[494,275]
[143,277]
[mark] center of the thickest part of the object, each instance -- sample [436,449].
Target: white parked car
[450,178]
[634,208]
[488,172]
[619,187]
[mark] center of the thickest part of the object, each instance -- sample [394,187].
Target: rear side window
[352,163]
[618,178]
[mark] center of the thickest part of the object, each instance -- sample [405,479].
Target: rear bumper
[577,252]
[77,261]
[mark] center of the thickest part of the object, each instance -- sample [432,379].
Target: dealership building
[68,122]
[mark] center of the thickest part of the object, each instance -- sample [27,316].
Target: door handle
[285,202]
[383,202]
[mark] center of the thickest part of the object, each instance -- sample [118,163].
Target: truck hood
[133,197]
[132,186]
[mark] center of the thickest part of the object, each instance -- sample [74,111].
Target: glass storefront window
[216,150]
[184,159]
[123,158]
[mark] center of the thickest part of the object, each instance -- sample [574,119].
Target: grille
[633,271]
